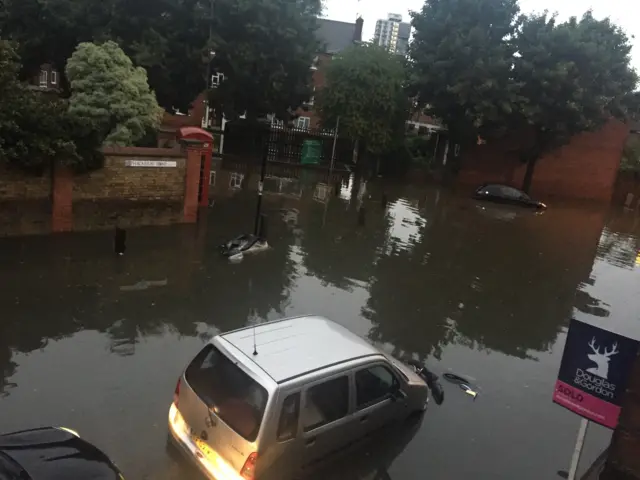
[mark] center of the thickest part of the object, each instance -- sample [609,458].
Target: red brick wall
[586,168]
[624,458]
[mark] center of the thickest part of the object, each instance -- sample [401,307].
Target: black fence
[286,144]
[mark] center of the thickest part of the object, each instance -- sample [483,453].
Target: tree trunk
[528,175]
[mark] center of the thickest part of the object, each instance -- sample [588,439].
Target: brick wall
[586,168]
[16,185]
[118,181]
[624,459]
[136,195]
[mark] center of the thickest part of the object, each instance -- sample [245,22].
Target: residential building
[334,37]
[393,34]
[48,79]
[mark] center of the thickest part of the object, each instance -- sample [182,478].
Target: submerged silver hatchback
[270,401]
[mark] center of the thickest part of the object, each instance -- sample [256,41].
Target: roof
[295,346]
[335,36]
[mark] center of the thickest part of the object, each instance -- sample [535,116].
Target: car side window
[491,190]
[288,423]
[325,403]
[374,385]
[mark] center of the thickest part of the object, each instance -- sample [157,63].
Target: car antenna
[255,350]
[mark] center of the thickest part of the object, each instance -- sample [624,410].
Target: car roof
[292,347]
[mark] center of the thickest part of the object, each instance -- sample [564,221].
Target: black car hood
[54,454]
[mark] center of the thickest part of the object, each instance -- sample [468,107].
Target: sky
[625,13]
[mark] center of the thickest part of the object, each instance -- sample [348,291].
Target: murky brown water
[96,343]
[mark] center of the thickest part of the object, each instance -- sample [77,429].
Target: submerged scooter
[245,243]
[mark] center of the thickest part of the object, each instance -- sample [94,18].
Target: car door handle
[310,442]
[364,418]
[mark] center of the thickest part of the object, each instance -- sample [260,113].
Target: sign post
[594,372]
[577,452]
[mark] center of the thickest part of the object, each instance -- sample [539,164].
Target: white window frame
[54,77]
[44,78]
[217,79]
[303,123]
[235,180]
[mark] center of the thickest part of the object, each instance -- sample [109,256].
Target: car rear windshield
[233,395]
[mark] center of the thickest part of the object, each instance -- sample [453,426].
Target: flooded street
[96,343]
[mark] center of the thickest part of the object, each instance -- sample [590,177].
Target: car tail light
[176,394]
[249,468]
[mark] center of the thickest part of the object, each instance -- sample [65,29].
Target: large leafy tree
[462,55]
[263,47]
[110,91]
[37,131]
[365,88]
[487,71]
[572,77]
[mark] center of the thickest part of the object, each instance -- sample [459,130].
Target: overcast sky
[625,13]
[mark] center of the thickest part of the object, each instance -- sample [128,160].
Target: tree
[265,50]
[572,77]
[37,131]
[462,57]
[486,71]
[110,91]
[365,88]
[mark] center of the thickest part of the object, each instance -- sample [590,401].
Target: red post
[206,171]
[192,182]
[62,214]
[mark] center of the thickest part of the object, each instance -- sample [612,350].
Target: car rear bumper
[213,467]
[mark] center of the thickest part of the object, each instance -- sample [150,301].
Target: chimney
[357,32]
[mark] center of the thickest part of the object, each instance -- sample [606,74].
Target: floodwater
[96,343]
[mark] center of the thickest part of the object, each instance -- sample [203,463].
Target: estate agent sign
[594,372]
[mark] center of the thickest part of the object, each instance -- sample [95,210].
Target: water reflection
[429,275]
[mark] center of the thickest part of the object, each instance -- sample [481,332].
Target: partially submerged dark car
[52,453]
[494,192]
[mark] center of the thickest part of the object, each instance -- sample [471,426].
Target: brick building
[48,79]
[334,37]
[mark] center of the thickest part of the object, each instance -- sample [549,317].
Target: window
[54,77]
[43,78]
[235,180]
[374,385]
[512,193]
[288,424]
[212,178]
[303,122]
[326,403]
[312,99]
[235,397]
[217,79]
